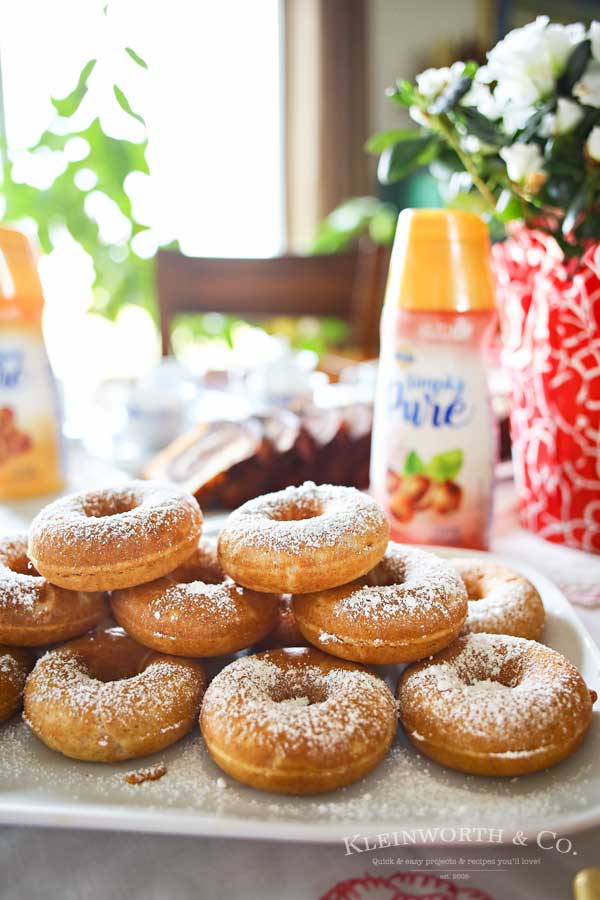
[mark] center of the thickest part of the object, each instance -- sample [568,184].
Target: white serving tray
[407,793]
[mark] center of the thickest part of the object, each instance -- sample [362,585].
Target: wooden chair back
[346,285]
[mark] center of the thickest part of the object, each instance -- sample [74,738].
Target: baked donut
[15,665]
[114,538]
[303,539]
[297,721]
[34,612]
[105,698]
[501,601]
[410,605]
[495,705]
[196,610]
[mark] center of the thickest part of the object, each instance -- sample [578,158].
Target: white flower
[521,64]
[568,114]
[418,116]
[525,66]
[470,143]
[592,145]
[432,82]
[587,88]
[524,165]
[594,36]
[516,117]
[480,96]
[560,40]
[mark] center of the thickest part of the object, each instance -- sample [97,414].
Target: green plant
[521,134]
[355,217]
[102,166]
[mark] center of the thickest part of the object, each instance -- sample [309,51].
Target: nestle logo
[11,368]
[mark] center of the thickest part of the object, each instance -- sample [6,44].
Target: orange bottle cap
[440,262]
[21,295]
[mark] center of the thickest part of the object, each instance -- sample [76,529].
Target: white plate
[406,793]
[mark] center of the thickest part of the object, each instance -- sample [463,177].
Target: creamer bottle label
[433,444]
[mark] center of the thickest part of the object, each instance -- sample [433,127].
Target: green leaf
[575,208]
[346,223]
[531,127]
[397,161]
[575,67]
[445,466]
[382,226]
[565,149]
[136,57]
[403,92]
[66,106]
[380,142]
[450,96]
[124,104]
[470,68]
[413,464]
[559,190]
[480,126]
[508,207]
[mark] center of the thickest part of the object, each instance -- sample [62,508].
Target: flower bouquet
[518,140]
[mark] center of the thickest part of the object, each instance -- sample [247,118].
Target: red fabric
[550,316]
[403,886]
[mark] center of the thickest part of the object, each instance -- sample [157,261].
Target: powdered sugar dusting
[501,601]
[112,515]
[223,599]
[298,519]
[12,669]
[406,791]
[298,707]
[408,585]
[62,677]
[496,688]
[18,590]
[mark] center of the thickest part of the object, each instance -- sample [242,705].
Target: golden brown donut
[114,538]
[410,605]
[34,612]
[105,698]
[501,601]
[15,665]
[303,539]
[495,705]
[297,721]
[196,610]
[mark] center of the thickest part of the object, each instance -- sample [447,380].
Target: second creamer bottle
[434,435]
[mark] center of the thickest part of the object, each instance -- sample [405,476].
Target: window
[211,99]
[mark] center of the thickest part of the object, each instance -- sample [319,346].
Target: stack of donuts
[120,599]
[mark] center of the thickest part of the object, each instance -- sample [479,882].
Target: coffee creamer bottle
[29,422]
[434,434]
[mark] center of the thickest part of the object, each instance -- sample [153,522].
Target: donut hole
[298,511]
[508,674]
[387,573]
[98,506]
[188,574]
[112,657]
[116,668]
[299,691]
[474,583]
[22,565]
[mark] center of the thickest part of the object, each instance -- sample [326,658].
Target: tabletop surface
[35,862]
